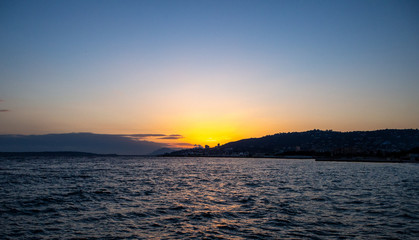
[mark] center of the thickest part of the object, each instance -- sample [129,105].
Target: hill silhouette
[318,143]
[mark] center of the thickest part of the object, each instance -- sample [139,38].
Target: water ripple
[206,198]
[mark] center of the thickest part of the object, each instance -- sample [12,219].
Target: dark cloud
[142,135]
[82,142]
[152,135]
[130,144]
[169,137]
[173,136]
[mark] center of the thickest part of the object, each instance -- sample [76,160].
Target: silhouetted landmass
[320,144]
[77,142]
[53,154]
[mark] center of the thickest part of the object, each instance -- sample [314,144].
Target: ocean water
[206,198]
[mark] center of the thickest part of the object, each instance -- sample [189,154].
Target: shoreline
[296,157]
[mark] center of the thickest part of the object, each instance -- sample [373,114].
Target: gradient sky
[211,71]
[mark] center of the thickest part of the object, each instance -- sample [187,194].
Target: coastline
[296,157]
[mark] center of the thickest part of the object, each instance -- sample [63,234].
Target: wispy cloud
[155,136]
[173,136]
[3,110]
[181,145]
[142,135]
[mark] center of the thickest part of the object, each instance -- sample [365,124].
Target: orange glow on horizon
[206,133]
[221,129]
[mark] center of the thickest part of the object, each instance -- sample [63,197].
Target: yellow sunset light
[210,133]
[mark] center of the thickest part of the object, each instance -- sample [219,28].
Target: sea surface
[206,198]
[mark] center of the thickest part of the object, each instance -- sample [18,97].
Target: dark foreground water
[207,198]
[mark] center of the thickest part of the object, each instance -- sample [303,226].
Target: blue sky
[212,71]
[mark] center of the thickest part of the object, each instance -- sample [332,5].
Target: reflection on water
[207,198]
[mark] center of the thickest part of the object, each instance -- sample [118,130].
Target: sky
[207,72]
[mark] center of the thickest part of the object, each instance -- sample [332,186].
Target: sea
[206,198]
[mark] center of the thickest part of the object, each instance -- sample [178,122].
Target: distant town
[386,144]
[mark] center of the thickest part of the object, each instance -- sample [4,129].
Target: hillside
[319,143]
